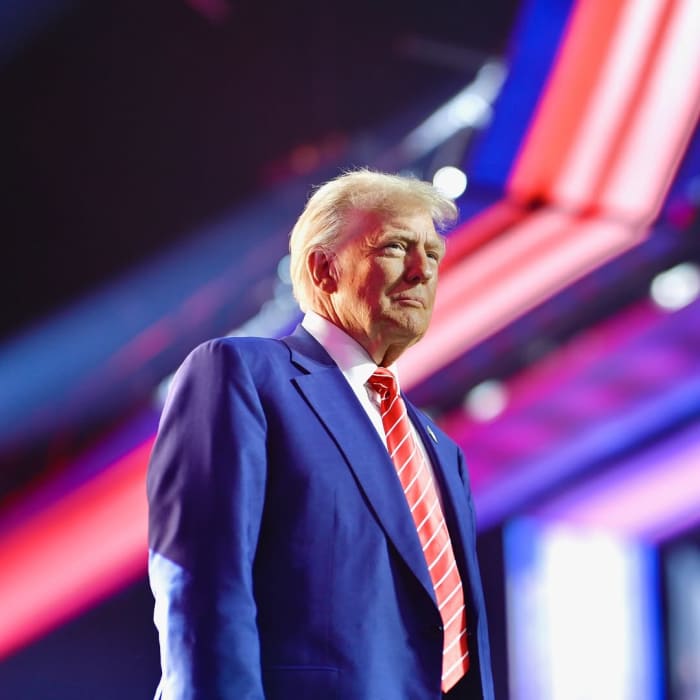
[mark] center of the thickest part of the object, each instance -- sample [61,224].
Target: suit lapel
[442,454]
[330,396]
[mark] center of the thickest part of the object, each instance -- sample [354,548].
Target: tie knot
[384,383]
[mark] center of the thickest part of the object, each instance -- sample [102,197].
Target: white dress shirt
[357,367]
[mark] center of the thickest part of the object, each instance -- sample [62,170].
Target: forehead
[365,228]
[417,226]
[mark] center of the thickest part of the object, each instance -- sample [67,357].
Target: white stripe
[391,405]
[455,665]
[398,446]
[415,476]
[437,558]
[447,573]
[455,590]
[434,535]
[400,470]
[454,641]
[420,498]
[398,420]
[430,512]
[454,617]
[409,459]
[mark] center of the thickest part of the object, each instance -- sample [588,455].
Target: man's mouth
[407,300]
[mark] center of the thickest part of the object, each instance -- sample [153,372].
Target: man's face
[386,283]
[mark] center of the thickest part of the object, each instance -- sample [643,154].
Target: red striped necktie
[416,479]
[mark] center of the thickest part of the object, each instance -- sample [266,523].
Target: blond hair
[322,224]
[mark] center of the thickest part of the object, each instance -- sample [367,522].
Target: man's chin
[409,330]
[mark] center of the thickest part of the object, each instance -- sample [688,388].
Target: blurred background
[154,158]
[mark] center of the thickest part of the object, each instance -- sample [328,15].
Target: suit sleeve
[205,485]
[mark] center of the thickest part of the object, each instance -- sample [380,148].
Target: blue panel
[532,52]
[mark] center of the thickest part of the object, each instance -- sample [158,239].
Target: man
[311,533]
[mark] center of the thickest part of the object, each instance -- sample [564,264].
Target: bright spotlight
[450,181]
[675,288]
[486,400]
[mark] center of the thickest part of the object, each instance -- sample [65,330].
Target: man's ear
[321,266]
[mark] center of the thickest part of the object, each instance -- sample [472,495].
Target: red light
[76,552]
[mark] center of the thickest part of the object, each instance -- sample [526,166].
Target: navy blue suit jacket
[283,557]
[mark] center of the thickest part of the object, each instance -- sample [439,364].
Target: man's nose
[419,267]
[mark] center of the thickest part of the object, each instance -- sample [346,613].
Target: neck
[382,352]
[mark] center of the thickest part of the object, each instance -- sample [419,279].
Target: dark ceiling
[125,124]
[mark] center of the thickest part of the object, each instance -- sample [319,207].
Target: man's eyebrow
[411,236]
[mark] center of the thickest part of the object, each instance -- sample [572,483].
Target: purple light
[651,496]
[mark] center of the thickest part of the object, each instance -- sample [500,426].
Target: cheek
[374,284]
[432,287]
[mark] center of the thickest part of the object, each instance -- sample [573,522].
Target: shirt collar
[351,358]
